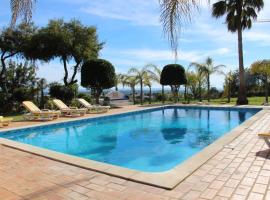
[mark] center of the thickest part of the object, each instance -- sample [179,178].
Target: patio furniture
[69,111]
[266,137]
[93,109]
[36,114]
[5,121]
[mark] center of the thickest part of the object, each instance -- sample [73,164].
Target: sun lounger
[4,121]
[36,114]
[93,108]
[266,137]
[69,111]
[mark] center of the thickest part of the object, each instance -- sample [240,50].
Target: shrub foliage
[174,76]
[65,93]
[97,74]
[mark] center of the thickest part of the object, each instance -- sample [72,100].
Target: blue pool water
[154,141]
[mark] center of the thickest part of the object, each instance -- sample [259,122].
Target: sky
[133,35]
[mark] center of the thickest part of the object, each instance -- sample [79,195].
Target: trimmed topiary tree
[174,76]
[97,74]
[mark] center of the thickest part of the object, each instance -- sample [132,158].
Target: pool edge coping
[167,180]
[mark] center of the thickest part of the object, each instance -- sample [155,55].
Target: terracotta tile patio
[241,170]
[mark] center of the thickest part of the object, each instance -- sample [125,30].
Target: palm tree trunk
[178,89]
[229,92]
[163,96]
[208,88]
[185,94]
[200,91]
[150,95]
[42,102]
[141,83]
[266,90]
[242,96]
[133,94]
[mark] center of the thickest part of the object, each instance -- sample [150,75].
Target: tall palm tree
[192,85]
[119,79]
[155,74]
[239,16]
[208,69]
[21,8]
[228,85]
[140,74]
[189,76]
[148,82]
[200,76]
[131,81]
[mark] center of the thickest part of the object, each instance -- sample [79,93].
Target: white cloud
[142,56]
[258,36]
[265,14]
[139,12]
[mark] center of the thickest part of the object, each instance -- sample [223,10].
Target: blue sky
[133,35]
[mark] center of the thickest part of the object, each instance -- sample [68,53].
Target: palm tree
[200,76]
[149,77]
[192,84]
[208,69]
[239,16]
[228,85]
[140,75]
[147,82]
[21,8]
[189,76]
[131,81]
[155,74]
[119,79]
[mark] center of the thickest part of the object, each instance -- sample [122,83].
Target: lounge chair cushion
[264,134]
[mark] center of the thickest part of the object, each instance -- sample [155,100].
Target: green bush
[86,97]
[106,101]
[20,85]
[174,76]
[65,93]
[160,97]
[6,106]
[97,74]
[214,93]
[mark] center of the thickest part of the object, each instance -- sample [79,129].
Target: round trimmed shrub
[98,74]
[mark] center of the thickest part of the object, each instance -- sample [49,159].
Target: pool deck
[239,170]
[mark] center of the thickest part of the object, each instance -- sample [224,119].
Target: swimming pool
[154,140]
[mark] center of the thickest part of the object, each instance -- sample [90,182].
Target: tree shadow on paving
[264,154]
[54,189]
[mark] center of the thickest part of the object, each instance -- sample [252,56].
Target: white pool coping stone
[168,179]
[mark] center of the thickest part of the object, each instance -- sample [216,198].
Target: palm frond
[133,70]
[21,8]
[174,14]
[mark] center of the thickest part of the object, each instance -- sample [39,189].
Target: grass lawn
[16,117]
[252,101]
